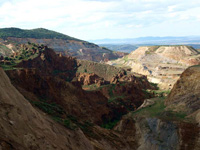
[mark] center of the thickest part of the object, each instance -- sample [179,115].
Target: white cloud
[90,19]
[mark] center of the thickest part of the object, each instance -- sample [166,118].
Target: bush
[110,124]
[7,58]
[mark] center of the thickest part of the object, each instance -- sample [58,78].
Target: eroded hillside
[53,102]
[162,64]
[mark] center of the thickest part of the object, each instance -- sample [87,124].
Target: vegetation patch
[57,113]
[110,90]
[114,98]
[154,110]
[156,93]
[152,49]
[158,110]
[125,58]
[154,85]
[30,51]
[49,108]
[110,124]
[90,87]
[8,67]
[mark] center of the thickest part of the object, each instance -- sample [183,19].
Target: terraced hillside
[162,64]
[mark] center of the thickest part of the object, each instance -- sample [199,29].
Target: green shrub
[110,124]
[51,109]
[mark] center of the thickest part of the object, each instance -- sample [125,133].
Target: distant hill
[39,33]
[12,38]
[127,48]
[168,40]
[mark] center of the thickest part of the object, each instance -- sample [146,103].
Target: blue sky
[99,19]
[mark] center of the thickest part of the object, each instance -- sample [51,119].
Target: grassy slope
[35,33]
[102,70]
[158,110]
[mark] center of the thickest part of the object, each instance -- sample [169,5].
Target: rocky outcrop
[89,78]
[162,64]
[124,76]
[157,134]
[50,64]
[185,93]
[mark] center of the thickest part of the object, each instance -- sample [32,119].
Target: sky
[101,19]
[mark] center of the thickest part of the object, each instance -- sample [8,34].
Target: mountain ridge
[33,33]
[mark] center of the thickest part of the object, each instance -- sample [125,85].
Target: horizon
[105,19]
[109,38]
[148,40]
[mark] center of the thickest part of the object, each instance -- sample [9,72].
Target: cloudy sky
[99,19]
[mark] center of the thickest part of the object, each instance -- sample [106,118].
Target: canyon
[44,106]
[49,100]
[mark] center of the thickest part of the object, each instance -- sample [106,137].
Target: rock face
[23,127]
[48,63]
[89,78]
[185,93]
[162,64]
[157,134]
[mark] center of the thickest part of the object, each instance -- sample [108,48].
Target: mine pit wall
[157,134]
